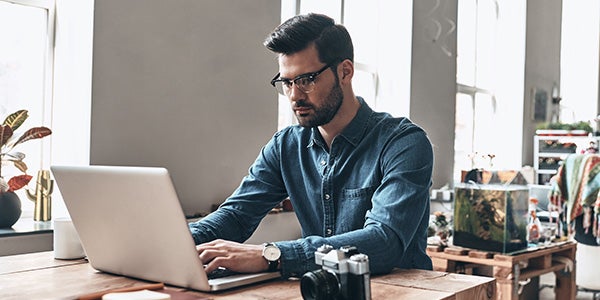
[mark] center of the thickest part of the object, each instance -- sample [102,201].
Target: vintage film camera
[344,275]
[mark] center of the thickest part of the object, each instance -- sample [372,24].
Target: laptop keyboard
[220,272]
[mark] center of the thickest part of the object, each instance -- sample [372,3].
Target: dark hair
[332,41]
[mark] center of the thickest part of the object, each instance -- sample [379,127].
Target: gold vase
[42,196]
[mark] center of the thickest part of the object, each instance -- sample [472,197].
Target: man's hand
[237,257]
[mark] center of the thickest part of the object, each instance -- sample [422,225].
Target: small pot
[10,209]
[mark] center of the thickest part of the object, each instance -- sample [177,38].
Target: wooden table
[40,276]
[509,270]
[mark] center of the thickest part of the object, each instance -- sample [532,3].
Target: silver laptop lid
[130,223]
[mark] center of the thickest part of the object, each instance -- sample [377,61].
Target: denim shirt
[370,190]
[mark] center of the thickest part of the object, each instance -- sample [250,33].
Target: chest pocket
[353,206]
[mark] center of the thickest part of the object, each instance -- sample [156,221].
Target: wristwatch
[272,254]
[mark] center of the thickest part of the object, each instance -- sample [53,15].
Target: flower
[8,143]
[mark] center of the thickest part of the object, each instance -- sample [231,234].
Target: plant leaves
[6,133]
[16,158]
[15,155]
[16,119]
[18,182]
[21,165]
[34,133]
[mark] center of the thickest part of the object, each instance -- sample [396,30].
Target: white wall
[72,88]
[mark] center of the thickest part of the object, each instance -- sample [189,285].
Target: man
[354,176]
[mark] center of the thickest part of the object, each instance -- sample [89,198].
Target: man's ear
[347,71]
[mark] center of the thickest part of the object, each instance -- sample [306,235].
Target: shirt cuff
[294,261]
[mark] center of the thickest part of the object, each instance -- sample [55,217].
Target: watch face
[271,253]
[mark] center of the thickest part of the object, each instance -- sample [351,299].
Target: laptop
[130,223]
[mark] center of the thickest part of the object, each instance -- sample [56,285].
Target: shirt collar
[355,130]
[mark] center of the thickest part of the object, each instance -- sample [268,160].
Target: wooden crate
[511,269]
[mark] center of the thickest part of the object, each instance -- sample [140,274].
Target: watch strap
[273,265]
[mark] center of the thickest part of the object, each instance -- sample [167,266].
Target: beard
[325,113]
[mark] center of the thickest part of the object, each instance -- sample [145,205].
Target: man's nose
[295,93]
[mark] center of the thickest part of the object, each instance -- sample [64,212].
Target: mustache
[300,103]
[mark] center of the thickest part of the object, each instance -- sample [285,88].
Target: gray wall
[542,61]
[433,84]
[184,84]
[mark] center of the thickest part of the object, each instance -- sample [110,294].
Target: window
[579,60]
[382,64]
[490,76]
[26,69]
[47,70]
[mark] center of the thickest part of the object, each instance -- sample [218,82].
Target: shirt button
[327,196]
[329,231]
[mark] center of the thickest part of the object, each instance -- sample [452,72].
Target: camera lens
[319,285]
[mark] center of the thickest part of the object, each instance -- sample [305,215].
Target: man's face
[319,106]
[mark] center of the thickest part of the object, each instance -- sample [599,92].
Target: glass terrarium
[491,217]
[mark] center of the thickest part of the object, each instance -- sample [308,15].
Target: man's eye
[305,80]
[287,83]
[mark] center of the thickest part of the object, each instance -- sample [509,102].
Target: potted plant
[558,128]
[10,205]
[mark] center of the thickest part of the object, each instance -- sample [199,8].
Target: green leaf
[6,133]
[16,119]
[33,133]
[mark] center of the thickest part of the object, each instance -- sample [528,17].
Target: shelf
[554,154]
[546,171]
[26,236]
[550,151]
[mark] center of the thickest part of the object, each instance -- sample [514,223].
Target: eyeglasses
[305,82]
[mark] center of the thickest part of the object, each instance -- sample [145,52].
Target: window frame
[47,97]
[505,91]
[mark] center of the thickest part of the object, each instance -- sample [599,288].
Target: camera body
[344,275]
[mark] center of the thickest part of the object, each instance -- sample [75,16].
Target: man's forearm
[383,249]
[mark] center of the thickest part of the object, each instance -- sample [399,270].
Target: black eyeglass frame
[310,76]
